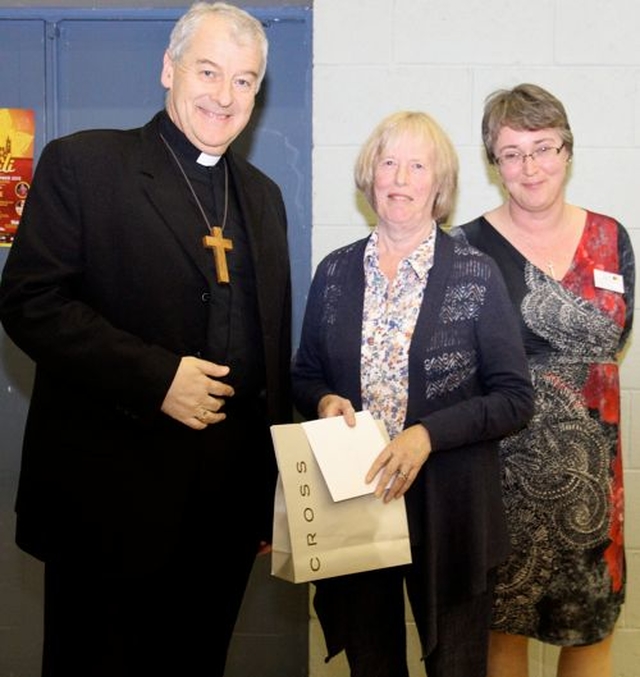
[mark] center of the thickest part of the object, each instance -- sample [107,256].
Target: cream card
[345,454]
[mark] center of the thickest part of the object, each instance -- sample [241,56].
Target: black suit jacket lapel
[166,188]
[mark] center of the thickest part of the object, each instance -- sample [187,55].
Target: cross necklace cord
[215,240]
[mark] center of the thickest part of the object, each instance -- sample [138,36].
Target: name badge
[609,281]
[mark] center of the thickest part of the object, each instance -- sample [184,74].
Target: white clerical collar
[208,160]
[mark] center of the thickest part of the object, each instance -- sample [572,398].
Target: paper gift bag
[315,537]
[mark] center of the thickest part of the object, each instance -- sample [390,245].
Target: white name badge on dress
[608,281]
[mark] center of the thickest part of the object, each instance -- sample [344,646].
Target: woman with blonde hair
[418,329]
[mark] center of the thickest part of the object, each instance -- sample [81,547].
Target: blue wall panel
[83,69]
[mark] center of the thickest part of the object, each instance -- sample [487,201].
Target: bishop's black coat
[107,286]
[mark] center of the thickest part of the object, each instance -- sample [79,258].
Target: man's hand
[195,396]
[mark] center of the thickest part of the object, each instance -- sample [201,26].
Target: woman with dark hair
[570,273]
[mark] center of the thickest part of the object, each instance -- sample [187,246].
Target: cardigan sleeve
[308,381]
[328,357]
[504,400]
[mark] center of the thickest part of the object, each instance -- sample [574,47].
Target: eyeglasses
[514,158]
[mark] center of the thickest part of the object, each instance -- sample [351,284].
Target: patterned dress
[562,475]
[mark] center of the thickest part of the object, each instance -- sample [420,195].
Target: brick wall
[445,56]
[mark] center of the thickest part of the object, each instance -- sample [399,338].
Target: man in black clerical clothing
[149,281]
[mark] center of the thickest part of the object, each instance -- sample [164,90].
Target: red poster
[17,131]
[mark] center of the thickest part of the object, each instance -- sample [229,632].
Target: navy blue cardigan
[468,385]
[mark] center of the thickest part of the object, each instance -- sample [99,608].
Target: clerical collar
[208,160]
[181,145]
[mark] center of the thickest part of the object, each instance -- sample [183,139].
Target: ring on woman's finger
[201,416]
[402,475]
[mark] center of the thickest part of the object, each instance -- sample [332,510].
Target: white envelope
[345,454]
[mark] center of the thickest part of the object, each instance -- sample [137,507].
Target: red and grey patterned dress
[563,488]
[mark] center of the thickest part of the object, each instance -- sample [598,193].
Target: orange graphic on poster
[17,132]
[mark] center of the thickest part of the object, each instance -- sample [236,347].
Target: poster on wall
[17,133]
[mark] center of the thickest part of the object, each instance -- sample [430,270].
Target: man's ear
[166,77]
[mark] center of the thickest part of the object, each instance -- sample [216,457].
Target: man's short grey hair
[246,29]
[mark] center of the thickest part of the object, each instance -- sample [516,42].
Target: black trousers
[364,614]
[176,621]
[174,618]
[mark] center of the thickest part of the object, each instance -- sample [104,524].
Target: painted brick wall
[445,56]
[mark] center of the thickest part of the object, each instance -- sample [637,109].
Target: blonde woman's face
[405,185]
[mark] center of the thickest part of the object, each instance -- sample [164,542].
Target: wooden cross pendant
[219,245]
